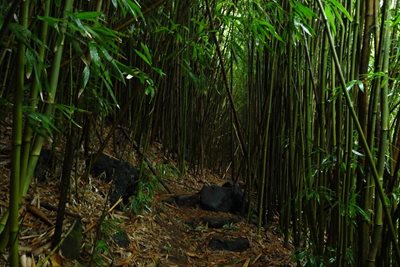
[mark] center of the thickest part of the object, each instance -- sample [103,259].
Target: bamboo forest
[199,133]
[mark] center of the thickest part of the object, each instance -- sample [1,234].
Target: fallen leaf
[56,260]
[193,255]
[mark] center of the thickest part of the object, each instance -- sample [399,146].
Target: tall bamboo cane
[371,160]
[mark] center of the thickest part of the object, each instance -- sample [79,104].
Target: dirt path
[163,235]
[177,236]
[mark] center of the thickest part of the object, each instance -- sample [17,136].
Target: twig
[48,206]
[98,228]
[40,214]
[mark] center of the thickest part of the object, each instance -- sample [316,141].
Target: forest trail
[163,235]
[181,236]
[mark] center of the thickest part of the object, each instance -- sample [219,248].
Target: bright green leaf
[86,76]
[143,57]
[339,6]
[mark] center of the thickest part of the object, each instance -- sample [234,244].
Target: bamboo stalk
[17,141]
[363,140]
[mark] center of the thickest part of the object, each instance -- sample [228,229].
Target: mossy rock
[71,247]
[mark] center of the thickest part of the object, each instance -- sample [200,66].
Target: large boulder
[216,198]
[226,198]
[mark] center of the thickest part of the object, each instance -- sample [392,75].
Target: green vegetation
[298,99]
[146,189]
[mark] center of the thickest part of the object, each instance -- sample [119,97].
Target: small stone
[238,244]
[121,238]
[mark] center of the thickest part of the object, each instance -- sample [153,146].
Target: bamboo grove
[297,99]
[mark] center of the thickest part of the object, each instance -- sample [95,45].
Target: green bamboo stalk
[321,131]
[362,101]
[363,140]
[264,177]
[383,145]
[362,106]
[38,142]
[55,72]
[17,141]
[310,208]
[26,147]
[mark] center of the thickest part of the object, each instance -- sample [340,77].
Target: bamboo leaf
[360,85]
[143,57]
[159,71]
[29,62]
[150,91]
[68,111]
[51,21]
[146,51]
[108,83]
[24,35]
[350,85]
[118,71]
[331,18]
[363,213]
[86,76]
[134,8]
[39,122]
[302,10]
[94,55]
[355,152]
[130,6]
[105,53]
[339,6]
[91,15]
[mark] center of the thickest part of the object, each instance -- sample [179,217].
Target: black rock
[45,165]
[238,203]
[216,198]
[121,239]
[187,200]
[125,182]
[123,174]
[226,198]
[103,166]
[238,244]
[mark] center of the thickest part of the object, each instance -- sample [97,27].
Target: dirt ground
[162,235]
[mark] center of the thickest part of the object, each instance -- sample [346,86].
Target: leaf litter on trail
[164,235]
